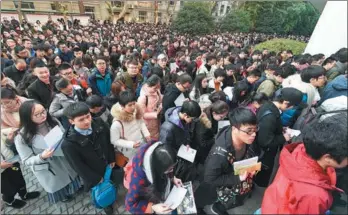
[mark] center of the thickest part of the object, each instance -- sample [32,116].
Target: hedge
[278,45]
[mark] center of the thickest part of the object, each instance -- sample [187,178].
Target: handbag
[104,194]
[120,159]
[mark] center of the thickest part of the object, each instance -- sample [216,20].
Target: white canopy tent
[330,33]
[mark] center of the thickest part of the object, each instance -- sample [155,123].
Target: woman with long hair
[150,179]
[200,87]
[53,172]
[53,63]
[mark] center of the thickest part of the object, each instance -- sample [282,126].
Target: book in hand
[54,139]
[188,205]
[187,153]
[175,197]
[248,165]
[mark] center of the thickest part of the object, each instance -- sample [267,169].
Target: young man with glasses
[86,146]
[67,72]
[101,79]
[132,78]
[271,136]
[232,143]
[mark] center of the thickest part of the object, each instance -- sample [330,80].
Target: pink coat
[149,103]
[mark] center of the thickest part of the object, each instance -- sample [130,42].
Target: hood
[299,167]
[119,114]
[172,115]
[340,83]
[172,88]
[145,90]
[206,120]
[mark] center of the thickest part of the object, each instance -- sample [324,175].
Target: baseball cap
[293,96]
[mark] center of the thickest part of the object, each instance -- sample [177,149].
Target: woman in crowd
[200,87]
[128,129]
[54,173]
[151,179]
[206,129]
[150,101]
[256,101]
[54,62]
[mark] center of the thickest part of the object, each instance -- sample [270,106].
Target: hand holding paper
[175,197]
[180,100]
[187,153]
[246,166]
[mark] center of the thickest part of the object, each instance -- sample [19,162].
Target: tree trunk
[123,12]
[19,11]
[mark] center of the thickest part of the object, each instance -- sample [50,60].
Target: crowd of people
[130,95]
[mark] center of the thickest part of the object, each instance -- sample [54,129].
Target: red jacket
[301,186]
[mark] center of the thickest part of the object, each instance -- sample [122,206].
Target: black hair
[216,96]
[184,78]
[255,73]
[8,92]
[94,101]
[328,136]
[197,85]
[218,107]
[191,108]
[342,56]
[76,109]
[317,57]
[210,57]
[237,90]
[126,97]
[242,116]
[219,73]
[62,84]
[153,80]
[64,66]
[260,98]
[329,60]
[313,71]
[162,159]
[286,71]
[29,128]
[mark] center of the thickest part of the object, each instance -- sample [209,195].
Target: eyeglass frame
[250,132]
[42,113]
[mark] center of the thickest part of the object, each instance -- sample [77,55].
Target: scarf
[8,120]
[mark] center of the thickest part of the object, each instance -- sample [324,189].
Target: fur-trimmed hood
[206,121]
[119,114]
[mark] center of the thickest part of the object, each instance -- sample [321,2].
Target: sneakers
[68,199]
[30,195]
[17,203]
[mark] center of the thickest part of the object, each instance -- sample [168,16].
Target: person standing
[54,173]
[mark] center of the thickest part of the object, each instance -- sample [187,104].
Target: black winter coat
[42,92]
[89,155]
[13,73]
[171,93]
[218,170]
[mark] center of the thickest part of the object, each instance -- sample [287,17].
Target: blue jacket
[101,85]
[290,116]
[335,88]
[66,57]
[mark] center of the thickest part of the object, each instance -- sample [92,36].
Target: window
[53,7]
[25,5]
[222,7]
[117,4]
[171,2]
[142,16]
[89,9]
[228,8]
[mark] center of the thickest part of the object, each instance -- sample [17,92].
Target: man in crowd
[16,71]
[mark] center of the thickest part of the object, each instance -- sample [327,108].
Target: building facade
[131,11]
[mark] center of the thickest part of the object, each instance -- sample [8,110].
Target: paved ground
[81,204]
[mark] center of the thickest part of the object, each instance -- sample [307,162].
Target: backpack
[312,114]
[104,194]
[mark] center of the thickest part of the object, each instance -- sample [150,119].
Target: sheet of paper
[175,197]
[293,132]
[188,155]
[188,205]
[180,100]
[53,137]
[14,159]
[173,66]
[223,123]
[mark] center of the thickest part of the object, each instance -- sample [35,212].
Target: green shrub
[278,45]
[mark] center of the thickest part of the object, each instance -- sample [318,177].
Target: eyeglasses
[250,131]
[67,73]
[101,63]
[42,113]
[133,67]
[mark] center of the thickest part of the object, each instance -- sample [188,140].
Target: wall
[330,33]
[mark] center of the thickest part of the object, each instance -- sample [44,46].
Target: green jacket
[128,81]
[268,87]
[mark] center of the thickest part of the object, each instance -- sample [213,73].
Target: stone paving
[82,205]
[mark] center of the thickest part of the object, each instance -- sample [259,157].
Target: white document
[173,66]
[175,197]
[14,159]
[293,132]
[53,140]
[223,123]
[188,155]
[180,100]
